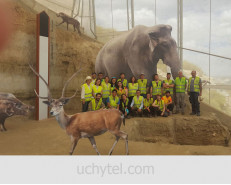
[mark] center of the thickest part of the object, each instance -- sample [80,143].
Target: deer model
[10,106]
[69,20]
[87,124]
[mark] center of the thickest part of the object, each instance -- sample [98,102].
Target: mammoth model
[138,51]
[10,106]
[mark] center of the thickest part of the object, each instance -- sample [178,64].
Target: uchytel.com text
[109,169]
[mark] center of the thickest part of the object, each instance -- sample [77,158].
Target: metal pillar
[73,8]
[132,13]
[128,17]
[180,29]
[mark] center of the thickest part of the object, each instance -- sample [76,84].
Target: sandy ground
[28,137]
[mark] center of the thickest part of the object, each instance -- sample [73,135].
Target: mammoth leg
[74,143]
[92,140]
[3,124]
[74,27]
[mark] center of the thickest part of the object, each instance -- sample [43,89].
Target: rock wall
[67,51]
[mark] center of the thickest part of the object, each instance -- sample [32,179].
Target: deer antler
[48,89]
[67,82]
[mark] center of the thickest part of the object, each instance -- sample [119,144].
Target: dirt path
[28,137]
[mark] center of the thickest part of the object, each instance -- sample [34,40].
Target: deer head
[55,104]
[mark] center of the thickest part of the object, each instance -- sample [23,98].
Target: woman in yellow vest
[106,89]
[156,87]
[132,88]
[148,108]
[159,107]
[97,88]
[121,89]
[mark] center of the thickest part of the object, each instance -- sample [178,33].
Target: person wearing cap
[180,85]
[195,91]
[168,102]
[159,107]
[137,104]
[168,85]
[97,88]
[142,85]
[106,89]
[96,103]
[123,80]
[93,76]
[113,101]
[156,87]
[86,94]
[148,108]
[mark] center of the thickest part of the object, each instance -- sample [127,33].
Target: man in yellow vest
[113,101]
[142,85]
[100,76]
[123,80]
[86,94]
[124,106]
[195,91]
[156,87]
[159,107]
[137,104]
[168,85]
[181,85]
[148,108]
[97,103]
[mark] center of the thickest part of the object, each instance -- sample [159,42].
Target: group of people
[138,98]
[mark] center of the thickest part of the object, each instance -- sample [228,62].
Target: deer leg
[92,140]
[60,23]
[78,28]
[2,129]
[74,27]
[74,143]
[3,125]
[113,146]
[125,137]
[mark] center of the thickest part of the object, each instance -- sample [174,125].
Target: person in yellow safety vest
[156,87]
[123,80]
[86,94]
[96,103]
[137,104]
[148,108]
[124,106]
[97,88]
[168,102]
[168,85]
[159,106]
[113,101]
[106,89]
[195,92]
[142,85]
[93,76]
[121,89]
[180,85]
[132,88]
[113,83]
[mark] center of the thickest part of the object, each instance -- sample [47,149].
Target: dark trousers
[134,112]
[147,113]
[194,102]
[85,106]
[170,107]
[129,102]
[157,112]
[105,101]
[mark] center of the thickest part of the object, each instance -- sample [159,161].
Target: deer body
[86,124]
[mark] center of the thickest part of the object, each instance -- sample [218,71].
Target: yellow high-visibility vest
[132,88]
[156,88]
[93,104]
[125,82]
[97,90]
[106,89]
[180,84]
[88,92]
[160,103]
[196,84]
[114,101]
[148,103]
[169,82]
[137,102]
[142,86]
